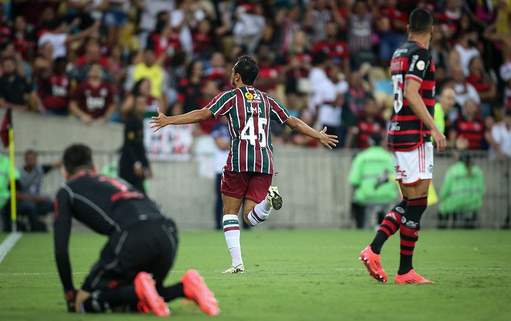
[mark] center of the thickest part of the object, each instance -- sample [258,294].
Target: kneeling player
[138,255]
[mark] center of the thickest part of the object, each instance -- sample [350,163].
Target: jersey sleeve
[61,234]
[418,65]
[279,111]
[222,103]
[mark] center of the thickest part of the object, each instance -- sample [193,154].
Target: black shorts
[148,246]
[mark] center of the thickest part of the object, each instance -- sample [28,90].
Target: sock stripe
[409,231]
[231,222]
[407,243]
[231,228]
[389,228]
[422,201]
[406,252]
[385,230]
[257,216]
[393,226]
[407,248]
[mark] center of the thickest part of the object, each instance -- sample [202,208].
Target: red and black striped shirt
[410,62]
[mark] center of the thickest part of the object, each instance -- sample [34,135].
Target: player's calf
[260,212]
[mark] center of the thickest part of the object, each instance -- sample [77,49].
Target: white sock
[259,213]
[232,237]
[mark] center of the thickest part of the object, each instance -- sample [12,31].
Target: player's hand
[159,121]
[440,140]
[329,141]
[70,297]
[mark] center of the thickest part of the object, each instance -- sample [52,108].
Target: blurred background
[96,71]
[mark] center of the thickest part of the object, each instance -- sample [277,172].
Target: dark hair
[30,152]
[247,68]
[135,91]
[420,20]
[76,157]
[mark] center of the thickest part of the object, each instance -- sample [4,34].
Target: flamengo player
[248,173]
[409,135]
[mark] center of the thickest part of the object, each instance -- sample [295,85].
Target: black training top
[104,204]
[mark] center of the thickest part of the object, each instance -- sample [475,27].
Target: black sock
[172,292]
[105,299]
[409,232]
[388,226]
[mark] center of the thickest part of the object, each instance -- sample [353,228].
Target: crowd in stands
[327,60]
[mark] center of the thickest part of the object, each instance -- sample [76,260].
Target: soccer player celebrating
[248,173]
[409,134]
[141,242]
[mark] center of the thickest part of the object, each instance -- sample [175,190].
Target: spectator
[140,101]
[464,90]
[151,69]
[249,25]
[202,39]
[505,74]
[216,71]
[334,47]
[31,201]
[469,128]
[164,41]
[483,83]
[91,57]
[370,126]
[373,188]
[360,33]
[391,26]
[15,91]
[461,195]
[190,88]
[5,191]
[59,38]
[442,108]
[465,48]
[500,137]
[54,89]
[93,100]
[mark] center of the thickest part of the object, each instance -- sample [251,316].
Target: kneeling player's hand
[70,297]
[329,141]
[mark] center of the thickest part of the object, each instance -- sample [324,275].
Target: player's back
[410,62]
[249,111]
[106,204]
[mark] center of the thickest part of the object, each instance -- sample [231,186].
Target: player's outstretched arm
[411,93]
[194,116]
[329,141]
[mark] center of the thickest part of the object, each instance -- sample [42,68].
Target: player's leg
[261,198]
[192,285]
[409,230]
[120,280]
[231,225]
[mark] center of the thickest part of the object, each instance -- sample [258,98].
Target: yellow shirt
[155,75]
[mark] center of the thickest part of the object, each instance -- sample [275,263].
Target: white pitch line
[8,244]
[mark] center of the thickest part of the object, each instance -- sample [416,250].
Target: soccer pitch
[291,275]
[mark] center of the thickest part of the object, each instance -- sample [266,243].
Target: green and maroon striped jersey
[248,112]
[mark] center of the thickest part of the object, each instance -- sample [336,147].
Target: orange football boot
[411,277]
[150,300]
[372,262]
[196,289]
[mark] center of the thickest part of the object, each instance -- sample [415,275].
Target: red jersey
[472,131]
[54,92]
[94,100]
[413,63]
[367,129]
[334,49]
[248,112]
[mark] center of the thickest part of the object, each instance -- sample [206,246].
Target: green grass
[292,275]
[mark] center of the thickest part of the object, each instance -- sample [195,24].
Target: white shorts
[414,165]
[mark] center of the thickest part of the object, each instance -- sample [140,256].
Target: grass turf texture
[292,275]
